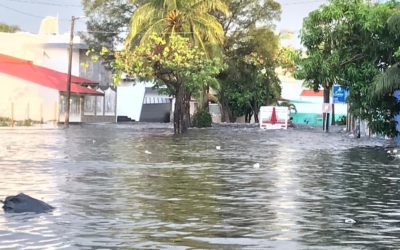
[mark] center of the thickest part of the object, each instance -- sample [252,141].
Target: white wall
[316,108]
[50,51]
[130,99]
[30,100]
[291,88]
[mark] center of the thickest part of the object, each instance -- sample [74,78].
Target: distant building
[50,49]
[36,93]
[138,101]
[308,102]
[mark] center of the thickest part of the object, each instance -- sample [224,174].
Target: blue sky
[27,14]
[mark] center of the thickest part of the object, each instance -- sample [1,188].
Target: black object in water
[23,203]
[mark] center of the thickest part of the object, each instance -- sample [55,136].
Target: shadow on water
[141,187]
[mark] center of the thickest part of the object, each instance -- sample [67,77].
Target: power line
[47,3]
[21,12]
[28,14]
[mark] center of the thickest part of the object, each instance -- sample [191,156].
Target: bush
[341,121]
[4,122]
[202,119]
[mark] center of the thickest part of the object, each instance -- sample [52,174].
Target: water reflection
[109,193]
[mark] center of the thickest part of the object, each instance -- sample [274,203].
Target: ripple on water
[187,194]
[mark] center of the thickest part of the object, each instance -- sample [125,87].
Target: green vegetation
[7,122]
[202,119]
[8,28]
[250,51]
[174,41]
[177,65]
[345,41]
[214,29]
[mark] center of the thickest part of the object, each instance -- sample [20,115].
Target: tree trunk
[327,90]
[256,116]
[188,98]
[181,119]
[224,110]
[333,115]
[206,90]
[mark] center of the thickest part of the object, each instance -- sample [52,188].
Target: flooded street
[141,187]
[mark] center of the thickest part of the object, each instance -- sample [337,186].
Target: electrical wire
[20,12]
[46,3]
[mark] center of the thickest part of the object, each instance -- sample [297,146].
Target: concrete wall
[130,99]
[215,112]
[155,112]
[29,100]
[98,119]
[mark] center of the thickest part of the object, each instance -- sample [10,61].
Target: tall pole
[71,44]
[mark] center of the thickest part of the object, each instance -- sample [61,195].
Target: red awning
[309,92]
[26,70]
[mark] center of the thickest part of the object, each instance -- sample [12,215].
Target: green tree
[250,80]
[176,64]
[320,35]
[389,81]
[345,42]
[107,25]
[8,28]
[245,85]
[188,18]
[193,19]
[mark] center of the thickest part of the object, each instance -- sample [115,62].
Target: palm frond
[205,6]
[140,18]
[387,82]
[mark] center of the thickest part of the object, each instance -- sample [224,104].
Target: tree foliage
[189,18]
[107,25]
[248,83]
[247,31]
[177,64]
[8,28]
[346,41]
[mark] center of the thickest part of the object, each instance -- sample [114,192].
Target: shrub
[341,121]
[4,122]
[202,119]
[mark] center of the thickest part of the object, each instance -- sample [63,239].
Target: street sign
[326,108]
[339,94]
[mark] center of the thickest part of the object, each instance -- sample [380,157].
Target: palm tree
[389,80]
[193,19]
[189,18]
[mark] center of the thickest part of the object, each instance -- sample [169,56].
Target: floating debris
[256,165]
[349,221]
[147,152]
[23,203]
[218,147]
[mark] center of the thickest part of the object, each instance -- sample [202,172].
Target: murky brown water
[111,193]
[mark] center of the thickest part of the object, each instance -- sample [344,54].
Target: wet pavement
[137,186]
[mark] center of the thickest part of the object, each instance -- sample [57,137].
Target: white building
[50,49]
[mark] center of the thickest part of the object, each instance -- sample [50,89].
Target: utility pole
[71,45]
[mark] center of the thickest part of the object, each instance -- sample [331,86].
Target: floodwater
[140,187]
